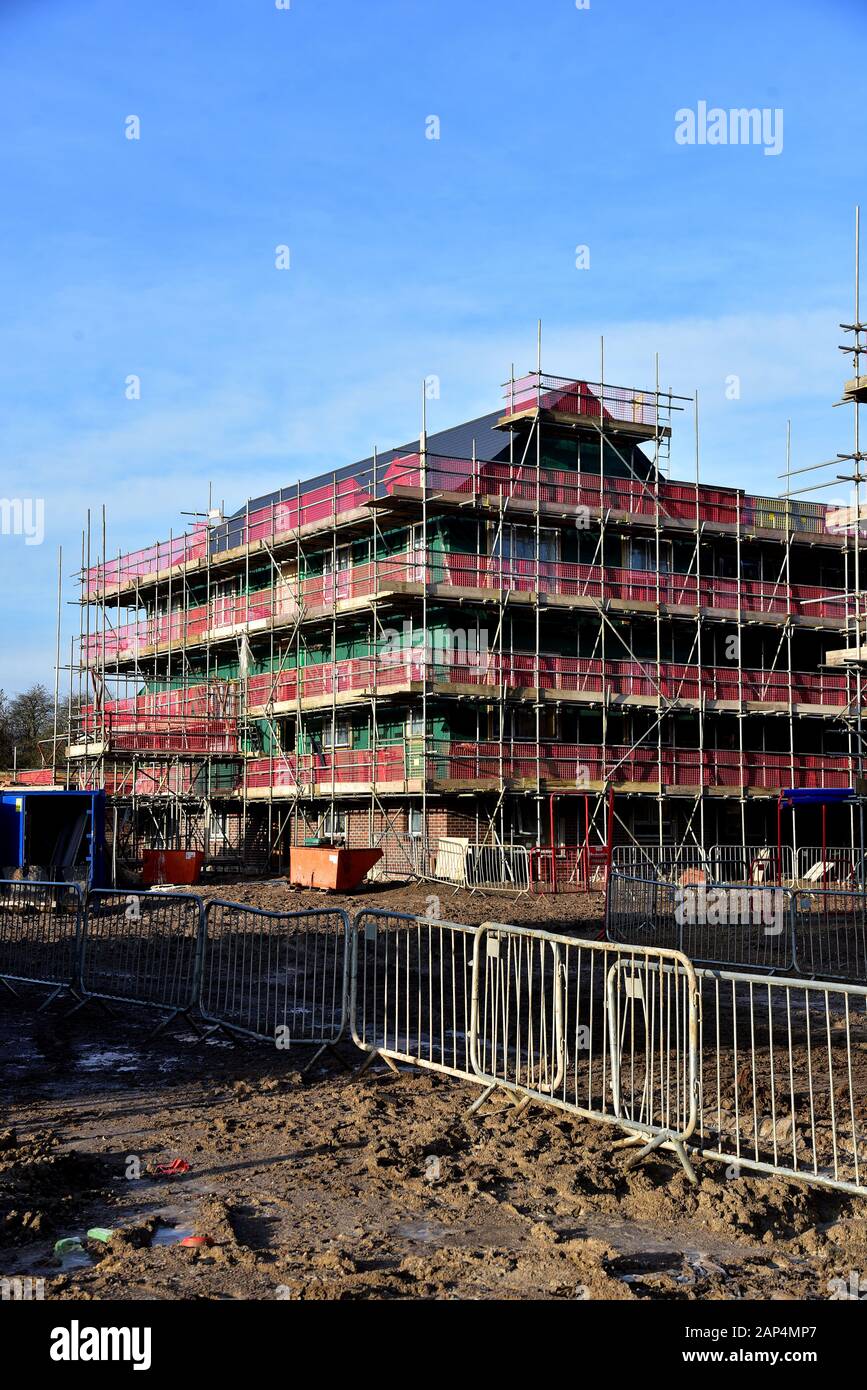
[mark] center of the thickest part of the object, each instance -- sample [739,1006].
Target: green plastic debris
[100,1233]
[70,1245]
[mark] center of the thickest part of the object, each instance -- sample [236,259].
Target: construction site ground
[331,1184]
[550,912]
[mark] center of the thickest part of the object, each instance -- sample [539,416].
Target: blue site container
[59,833]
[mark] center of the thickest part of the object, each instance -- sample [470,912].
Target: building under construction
[517,631]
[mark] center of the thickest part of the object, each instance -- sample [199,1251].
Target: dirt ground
[334,1185]
[550,912]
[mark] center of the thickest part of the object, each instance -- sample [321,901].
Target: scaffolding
[216,693]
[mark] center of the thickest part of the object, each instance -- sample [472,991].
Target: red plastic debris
[172,1170]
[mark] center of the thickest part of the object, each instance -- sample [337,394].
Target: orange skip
[339,870]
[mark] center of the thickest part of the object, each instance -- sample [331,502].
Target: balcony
[160,779]
[580,765]
[483,575]
[116,734]
[136,565]
[398,767]
[199,721]
[457,764]
[558,491]
[586,400]
[486,671]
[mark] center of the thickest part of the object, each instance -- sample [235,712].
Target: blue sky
[409,256]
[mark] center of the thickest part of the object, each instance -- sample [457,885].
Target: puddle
[116,1060]
[652,1266]
[103,1059]
[499,1235]
[194,1040]
[644,1240]
[684,1267]
[702,1265]
[27,1058]
[74,1259]
[426,1231]
[171,1235]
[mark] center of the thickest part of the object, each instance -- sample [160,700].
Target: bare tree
[6,742]
[24,721]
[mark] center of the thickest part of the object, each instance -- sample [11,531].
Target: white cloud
[147,461]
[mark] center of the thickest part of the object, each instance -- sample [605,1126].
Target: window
[416,821]
[682,557]
[217,830]
[340,559]
[548,545]
[519,543]
[336,735]
[642,555]
[646,824]
[331,825]
[524,724]
[417,551]
[525,821]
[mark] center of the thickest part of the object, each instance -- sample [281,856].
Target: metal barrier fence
[816,866]
[830,933]
[498,866]
[598,1029]
[644,861]
[814,932]
[783,1077]
[453,860]
[755,864]
[516,866]
[279,976]
[40,935]
[760,1071]
[411,991]
[673,871]
[830,867]
[730,924]
[143,948]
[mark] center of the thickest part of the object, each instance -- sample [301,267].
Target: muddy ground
[334,1185]
[550,912]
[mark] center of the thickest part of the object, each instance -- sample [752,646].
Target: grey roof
[479,436]
[458,442]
